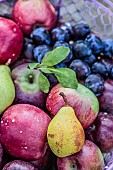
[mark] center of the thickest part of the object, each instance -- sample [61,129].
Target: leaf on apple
[43,83]
[45,69]
[55,56]
[33,65]
[66,77]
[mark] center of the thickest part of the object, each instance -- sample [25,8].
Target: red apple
[83,101]
[102,133]
[28,13]
[26,86]
[45,162]
[106,99]
[23,131]
[19,165]
[89,158]
[11,41]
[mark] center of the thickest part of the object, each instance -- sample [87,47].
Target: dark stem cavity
[31,78]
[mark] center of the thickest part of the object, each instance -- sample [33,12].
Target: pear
[7,89]
[65,133]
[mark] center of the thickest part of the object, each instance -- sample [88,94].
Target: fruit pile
[56,92]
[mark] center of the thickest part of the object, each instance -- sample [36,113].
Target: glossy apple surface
[23,131]
[11,41]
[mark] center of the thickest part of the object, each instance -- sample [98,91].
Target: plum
[27,13]
[11,41]
[23,131]
[89,158]
[19,165]
[106,99]
[102,134]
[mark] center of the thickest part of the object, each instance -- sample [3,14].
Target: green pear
[7,89]
[65,133]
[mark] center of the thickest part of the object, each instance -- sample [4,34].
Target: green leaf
[44,69]
[34,65]
[55,56]
[43,83]
[66,77]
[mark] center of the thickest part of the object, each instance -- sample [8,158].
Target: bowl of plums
[56,85]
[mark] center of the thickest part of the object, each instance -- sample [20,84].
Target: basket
[97,13]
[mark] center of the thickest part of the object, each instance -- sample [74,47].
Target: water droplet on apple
[14,29]
[13,120]
[2,121]
[13,54]
[20,131]
[49,96]
[25,147]
[105,113]
[6,124]
[37,120]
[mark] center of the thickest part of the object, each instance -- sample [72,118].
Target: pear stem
[64,98]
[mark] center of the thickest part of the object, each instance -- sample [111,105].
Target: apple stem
[64,98]
[30,78]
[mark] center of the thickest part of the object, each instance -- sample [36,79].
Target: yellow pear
[65,133]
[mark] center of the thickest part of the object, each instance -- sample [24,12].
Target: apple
[102,132]
[83,101]
[89,158]
[23,131]
[11,41]
[19,165]
[26,86]
[41,13]
[106,99]
[45,162]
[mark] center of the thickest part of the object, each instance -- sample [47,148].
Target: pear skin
[65,133]
[7,89]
